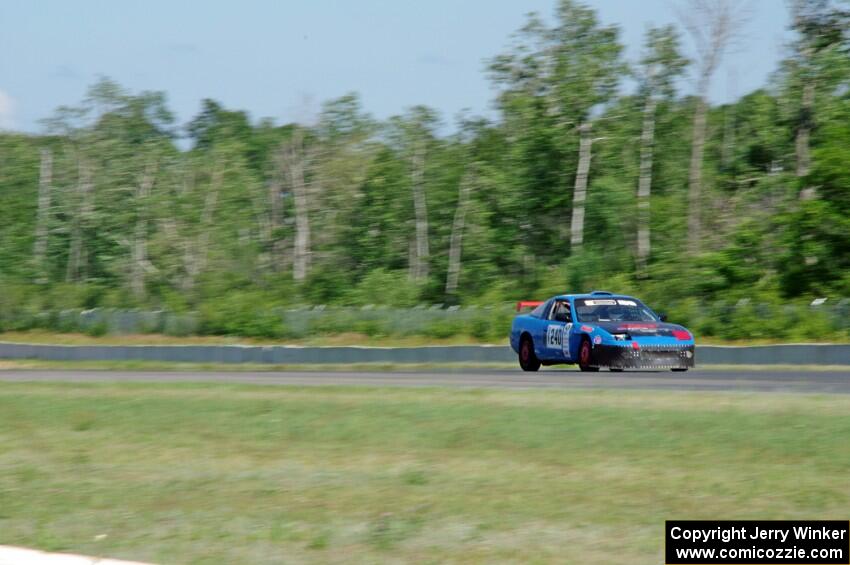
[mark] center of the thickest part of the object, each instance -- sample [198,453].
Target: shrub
[244,314]
[97,329]
[390,288]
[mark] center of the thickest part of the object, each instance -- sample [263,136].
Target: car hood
[640,329]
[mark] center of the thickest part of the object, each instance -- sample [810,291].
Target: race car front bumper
[644,357]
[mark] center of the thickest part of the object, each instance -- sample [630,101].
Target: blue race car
[599,329]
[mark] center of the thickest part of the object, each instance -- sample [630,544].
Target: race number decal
[554,336]
[558,337]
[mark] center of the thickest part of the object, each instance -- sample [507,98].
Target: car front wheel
[585,357]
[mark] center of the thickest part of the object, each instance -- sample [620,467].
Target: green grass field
[233,474]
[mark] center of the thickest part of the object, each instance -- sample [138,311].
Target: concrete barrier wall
[789,354]
[792,354]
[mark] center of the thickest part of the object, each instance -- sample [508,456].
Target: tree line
[597,172]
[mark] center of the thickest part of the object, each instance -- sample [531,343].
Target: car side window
[560,311]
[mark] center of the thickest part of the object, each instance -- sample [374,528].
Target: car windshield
[613,310]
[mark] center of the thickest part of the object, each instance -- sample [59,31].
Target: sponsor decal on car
[587,329]
[606,302]
[638,326]
[597,339]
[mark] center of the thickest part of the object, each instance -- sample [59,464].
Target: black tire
[679,369]
[527,359]
[585,357]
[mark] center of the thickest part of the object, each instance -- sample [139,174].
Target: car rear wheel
[585,357]
[527,359]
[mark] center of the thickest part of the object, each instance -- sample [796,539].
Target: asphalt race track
[732,380]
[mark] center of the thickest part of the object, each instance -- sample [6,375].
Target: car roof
[594,294]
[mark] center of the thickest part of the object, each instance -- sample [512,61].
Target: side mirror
[662,316]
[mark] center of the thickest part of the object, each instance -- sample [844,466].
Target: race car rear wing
[527,304]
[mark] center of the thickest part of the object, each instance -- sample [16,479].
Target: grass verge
[194,473]
[35,364]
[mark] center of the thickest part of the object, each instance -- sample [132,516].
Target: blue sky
[281,59]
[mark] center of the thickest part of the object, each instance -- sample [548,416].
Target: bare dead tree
[713,26]
[42,226]
[269,212]
[580,191]
[804,123]
[141,265]
[821,27]
[456,241]
[727,156]
[81,218]
[804,129]
[275,220]
[411,256]
[647,145]
[417,175]
[196,252]
[294,162]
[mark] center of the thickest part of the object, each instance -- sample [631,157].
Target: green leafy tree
[551,81]
[659,67]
